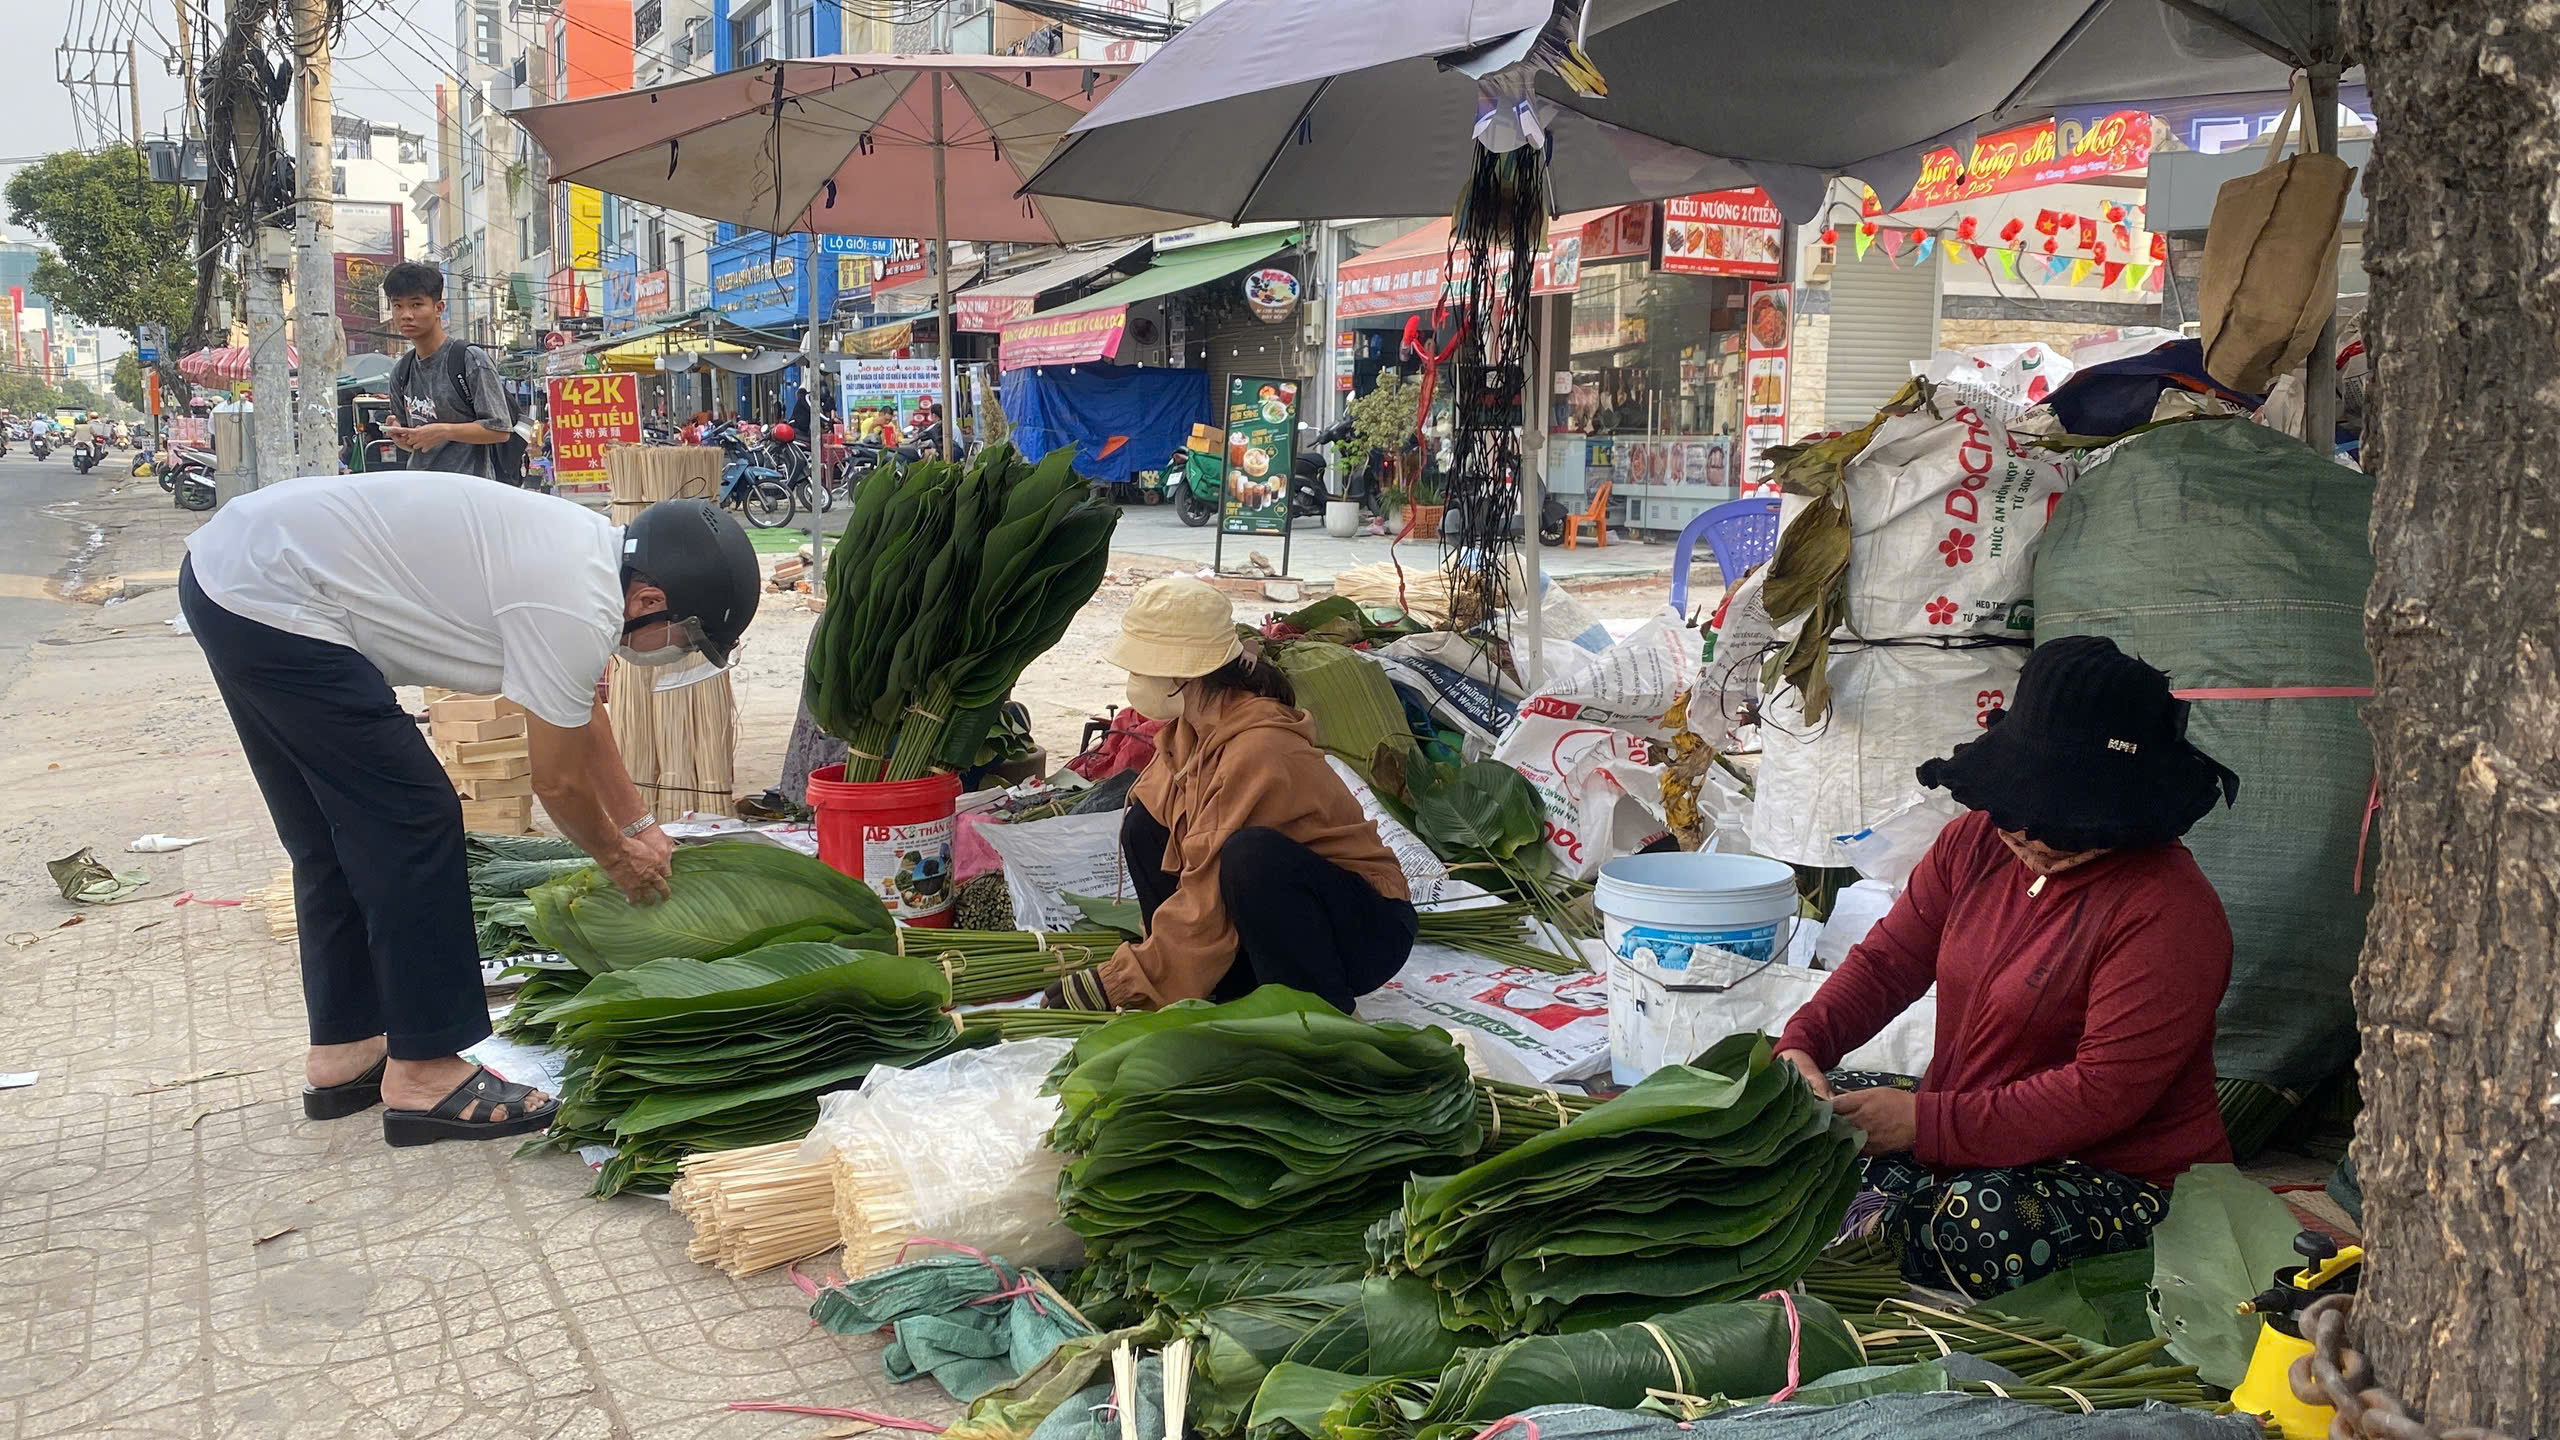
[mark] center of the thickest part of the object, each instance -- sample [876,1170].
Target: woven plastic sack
[2234,558]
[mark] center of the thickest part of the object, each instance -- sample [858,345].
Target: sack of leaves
[1274,1128]
[678,1055]
[1716,1180]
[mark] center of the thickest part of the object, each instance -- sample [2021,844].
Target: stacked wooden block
[480,740]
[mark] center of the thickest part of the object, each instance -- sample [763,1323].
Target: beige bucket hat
[1177,628]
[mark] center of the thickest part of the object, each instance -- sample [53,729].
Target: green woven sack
[2234,558]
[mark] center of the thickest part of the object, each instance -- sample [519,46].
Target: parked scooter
[1306,472]
[188,477]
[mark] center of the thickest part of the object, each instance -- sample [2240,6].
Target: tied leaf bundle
[1713,1181]
[1274,1129]
[1383,1325]
[678,1056]
[947,582]
[723,898]
[1702,1351]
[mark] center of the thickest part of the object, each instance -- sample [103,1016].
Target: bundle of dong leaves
[948,580]
[1712,1181]
[1274,1129]
[680,1055]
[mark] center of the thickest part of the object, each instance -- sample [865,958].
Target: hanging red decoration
[1964,228]
[1918,234]
[2088,233]
[2159,247]
[2113,211]
[2047,222]
[2100,252]
[1830,236]
[2050,247]
[1867,228]
[2012,230]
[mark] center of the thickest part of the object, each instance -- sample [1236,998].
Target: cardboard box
[503,817]
[499,789]
[472,707]
[460,731]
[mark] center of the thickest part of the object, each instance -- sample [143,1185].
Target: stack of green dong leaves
[681,1055]
[1274,1129]
[1716,1180]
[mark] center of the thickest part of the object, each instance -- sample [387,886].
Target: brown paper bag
[2271,261]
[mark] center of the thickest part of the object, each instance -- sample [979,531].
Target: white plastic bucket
[1656,909]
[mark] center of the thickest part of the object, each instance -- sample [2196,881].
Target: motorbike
[41,448]
[188,477]
[84,453]
[1194,490]
[758,493]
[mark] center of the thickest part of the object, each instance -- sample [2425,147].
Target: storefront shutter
[1883,317]
[1246,346]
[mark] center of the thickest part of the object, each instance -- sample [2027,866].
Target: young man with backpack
[449,410]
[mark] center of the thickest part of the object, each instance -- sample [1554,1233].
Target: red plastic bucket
[892,835]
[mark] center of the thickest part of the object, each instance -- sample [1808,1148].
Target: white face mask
[1156,697]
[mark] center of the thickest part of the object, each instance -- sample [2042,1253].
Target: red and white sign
[989,314]
[591,414]
[652,294]
[1074,338]
[903,267]
[1405,274]
[554,340]
[2044,153]
[1768,331]
[1725,232]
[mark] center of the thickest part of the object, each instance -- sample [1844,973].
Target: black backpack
[511,451]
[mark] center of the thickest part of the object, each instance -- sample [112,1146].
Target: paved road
[41,543]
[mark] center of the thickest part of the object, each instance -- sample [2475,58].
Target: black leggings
[373,828]
[1301,920]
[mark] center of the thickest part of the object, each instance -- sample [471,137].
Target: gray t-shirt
[431,398]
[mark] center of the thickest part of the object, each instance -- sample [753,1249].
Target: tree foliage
[121,244]
[128,380]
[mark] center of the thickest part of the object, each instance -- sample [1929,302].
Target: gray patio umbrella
[1330,109]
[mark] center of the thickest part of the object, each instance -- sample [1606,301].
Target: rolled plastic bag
[952,1150]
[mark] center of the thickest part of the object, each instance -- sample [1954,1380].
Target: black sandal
[463,1114]
[350,1097]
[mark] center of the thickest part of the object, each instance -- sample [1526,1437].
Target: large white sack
[1892,707]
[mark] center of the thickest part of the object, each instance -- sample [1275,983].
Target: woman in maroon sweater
[2079,955]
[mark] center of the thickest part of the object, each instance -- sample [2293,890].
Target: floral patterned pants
[1984,1232]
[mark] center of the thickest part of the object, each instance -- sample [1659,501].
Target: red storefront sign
[652,295]
[903,267]
[1405,273]
[1075,337]
[1724,232]
[590,414]
[989,314]
[2043,153]
[1768,332]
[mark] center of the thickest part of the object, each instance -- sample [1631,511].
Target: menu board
[1262,438]
[1768,327]
[1724,232]
[589,415]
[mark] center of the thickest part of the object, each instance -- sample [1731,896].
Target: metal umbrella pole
[942,262]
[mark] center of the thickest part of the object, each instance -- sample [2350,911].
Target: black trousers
[373,828]
[1301,920]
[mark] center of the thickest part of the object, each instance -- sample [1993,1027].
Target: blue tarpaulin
[1121,418]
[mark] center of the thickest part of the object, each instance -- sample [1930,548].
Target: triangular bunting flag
[2110,273]
[1956,252]
[1928,243]
[1978,253]
[2079,268]
[2007,261]
[1863,241]
[2136,276]
[2054,266]
[1891,240]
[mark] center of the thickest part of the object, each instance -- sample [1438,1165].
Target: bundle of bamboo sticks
[756,1208]
[679,745]
[875,1212]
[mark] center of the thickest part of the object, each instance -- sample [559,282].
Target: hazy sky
[387,67]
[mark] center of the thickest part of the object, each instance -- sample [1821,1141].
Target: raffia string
[1915,1307]
[2085,1407]
[1679,1377]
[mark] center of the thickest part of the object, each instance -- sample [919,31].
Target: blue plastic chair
[1740,533]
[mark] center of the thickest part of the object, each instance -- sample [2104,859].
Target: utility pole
[133,93]
[187,62]
[315,279]
[262,295]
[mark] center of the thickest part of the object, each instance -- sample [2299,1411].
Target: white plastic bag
[1854,912]
[954,1149]
[1047,860]
[1889,848]
[1533,1028]
[2018,375]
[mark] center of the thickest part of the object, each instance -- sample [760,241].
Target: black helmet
[698,554]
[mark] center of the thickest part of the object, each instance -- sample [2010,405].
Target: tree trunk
[2458,1000]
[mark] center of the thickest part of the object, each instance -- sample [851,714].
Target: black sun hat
[2093,756]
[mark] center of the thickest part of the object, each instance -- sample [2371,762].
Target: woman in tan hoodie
[1252,861]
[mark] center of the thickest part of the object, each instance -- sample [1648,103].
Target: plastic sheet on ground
[1531,1027]
[1942,1416]
[1589,744]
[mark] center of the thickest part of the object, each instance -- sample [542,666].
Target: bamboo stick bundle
[875,1213]
[679,745]
[756,1208]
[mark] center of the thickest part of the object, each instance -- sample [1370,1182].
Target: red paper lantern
[1918,235]
[1830,236]
[1964,228]
[2101,253]
[2159,248]
[2011,231]
[2049,247]
[2113,211]
[1867,228]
